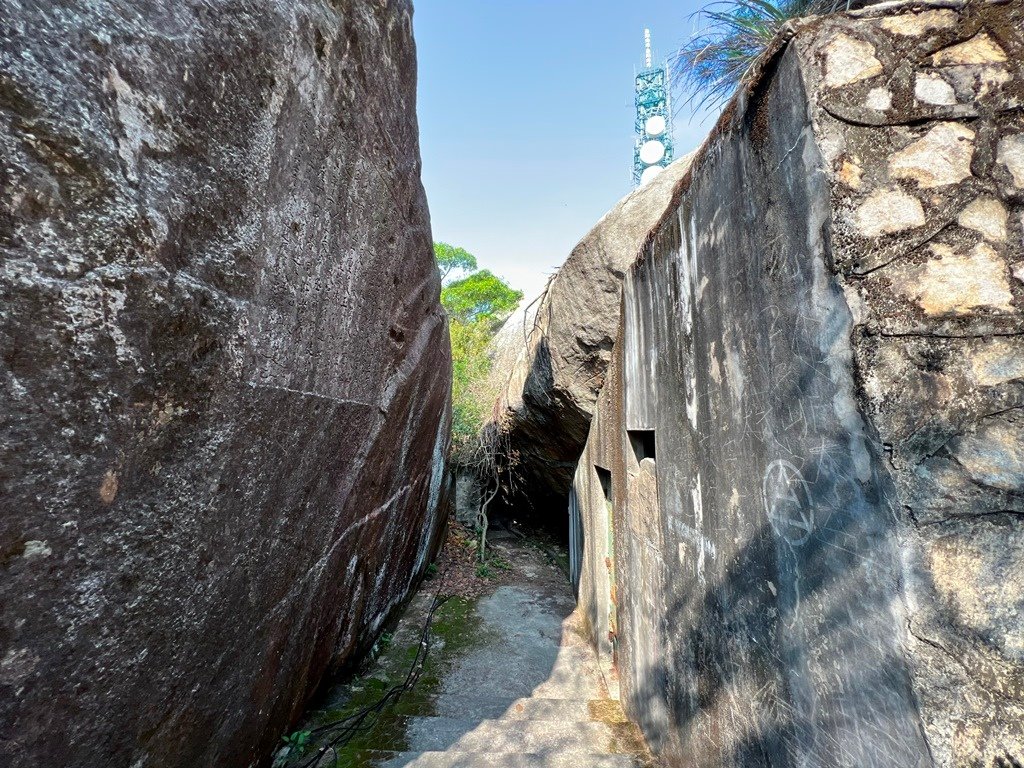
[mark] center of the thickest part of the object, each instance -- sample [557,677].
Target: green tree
[450,259]
[480,296]
[476,304]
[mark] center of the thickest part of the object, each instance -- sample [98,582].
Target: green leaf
[733,36]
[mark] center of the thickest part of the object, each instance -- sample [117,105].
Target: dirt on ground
[459,572]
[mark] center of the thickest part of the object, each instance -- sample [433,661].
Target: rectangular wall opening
[642,441]
[606,482]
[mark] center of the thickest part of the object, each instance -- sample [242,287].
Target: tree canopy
[480,296]
[450,259]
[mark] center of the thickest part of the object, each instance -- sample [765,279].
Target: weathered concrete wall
[466,501]
[824,344]
[224,368]
[558,349]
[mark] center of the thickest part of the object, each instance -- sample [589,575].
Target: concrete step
[571,674]
[376,759]
[506,708]
[431,734]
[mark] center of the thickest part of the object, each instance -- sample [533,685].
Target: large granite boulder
[225,371]
[554,353]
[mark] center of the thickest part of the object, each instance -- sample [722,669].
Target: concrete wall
[820,564]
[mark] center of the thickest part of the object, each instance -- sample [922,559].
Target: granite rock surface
[224,367]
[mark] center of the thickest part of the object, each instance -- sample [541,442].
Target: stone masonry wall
[811,446]
[223,364]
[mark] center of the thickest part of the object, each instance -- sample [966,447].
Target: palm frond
[733,35]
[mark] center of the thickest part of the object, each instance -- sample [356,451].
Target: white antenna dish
[647,48]
[651,152]
[655,125]
[650,173]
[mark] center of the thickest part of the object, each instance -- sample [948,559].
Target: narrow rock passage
[511,681]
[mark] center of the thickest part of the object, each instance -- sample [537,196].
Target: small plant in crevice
[499,563]
[431,570]
[492,566]
[380,647]
[297,742]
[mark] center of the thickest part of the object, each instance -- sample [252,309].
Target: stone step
[452,759]
[431,734]
[505,708]
[573,674]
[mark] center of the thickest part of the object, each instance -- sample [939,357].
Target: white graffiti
[787,502]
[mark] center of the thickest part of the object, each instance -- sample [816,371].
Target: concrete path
[511,682]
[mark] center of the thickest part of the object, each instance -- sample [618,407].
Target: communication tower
[653,149]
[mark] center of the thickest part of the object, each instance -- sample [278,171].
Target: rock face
[224,368]
[802,497]
[562,346]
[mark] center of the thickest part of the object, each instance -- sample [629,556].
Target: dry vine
[491,460]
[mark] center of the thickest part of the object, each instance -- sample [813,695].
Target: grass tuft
[732,36]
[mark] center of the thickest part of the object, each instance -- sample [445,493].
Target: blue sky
[526,128]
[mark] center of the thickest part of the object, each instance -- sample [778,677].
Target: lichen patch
[36,549]
[16,665]
[108,488]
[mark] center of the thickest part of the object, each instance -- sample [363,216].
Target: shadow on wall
[543,452]
[774,652]
[746,686]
